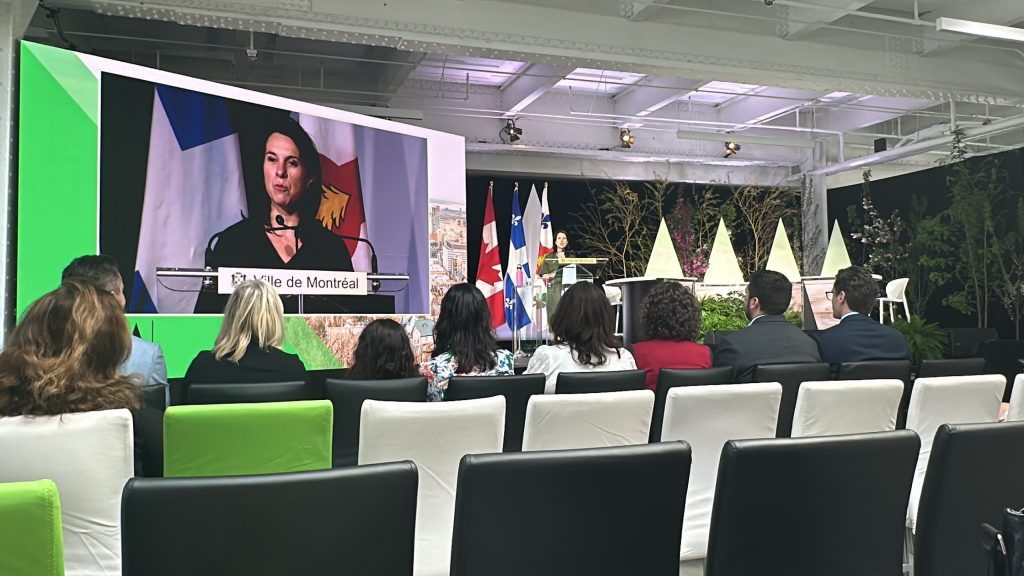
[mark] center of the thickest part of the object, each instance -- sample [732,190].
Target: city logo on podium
[237,278]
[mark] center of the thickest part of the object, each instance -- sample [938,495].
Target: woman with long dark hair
[464,344]
[383,352]
[582,329]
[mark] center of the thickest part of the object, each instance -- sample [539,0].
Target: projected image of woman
[284,232]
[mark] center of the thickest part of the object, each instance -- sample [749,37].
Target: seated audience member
[670,316]
[64,356]
[146,359]
[769,338]
[584,340]
[248,347]
[464,344]
[383,352]
[858,337]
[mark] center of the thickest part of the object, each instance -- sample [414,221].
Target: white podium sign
[308,282]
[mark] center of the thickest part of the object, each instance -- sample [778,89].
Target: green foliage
[621,225]
[722,313]
[795,318]
[883,240]
[930,254]
[925,339]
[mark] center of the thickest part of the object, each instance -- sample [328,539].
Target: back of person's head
[772,289]
[65,353]
[584,321]
[101,271]
[383,352]
[860,288]
[463,329]
[253,315]
[670,312]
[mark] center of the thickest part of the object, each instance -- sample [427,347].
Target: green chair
[240,439]
[31,542]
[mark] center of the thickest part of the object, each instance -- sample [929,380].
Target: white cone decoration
[664,261]
[781,258]
[723,267]
[836,257]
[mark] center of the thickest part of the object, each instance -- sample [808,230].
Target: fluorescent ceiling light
[980,29]
[743,139]
[382,112]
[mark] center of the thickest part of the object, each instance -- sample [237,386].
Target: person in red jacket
[670,316]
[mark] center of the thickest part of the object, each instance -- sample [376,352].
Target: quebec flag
[515,312]
[194,189]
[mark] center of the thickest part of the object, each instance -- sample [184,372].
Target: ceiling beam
[820,18]
[531,83]
[847,119]
[652,93]
[766,104]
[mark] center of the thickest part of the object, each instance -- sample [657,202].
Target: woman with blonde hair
[64,355]
[248,347]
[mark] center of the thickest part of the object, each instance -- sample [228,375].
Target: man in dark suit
[769,338]
[858,337]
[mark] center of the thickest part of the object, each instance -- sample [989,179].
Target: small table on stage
[634,290]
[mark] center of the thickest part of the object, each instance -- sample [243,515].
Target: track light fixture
[626,140]
[731,148]
[511,130]
[769,2]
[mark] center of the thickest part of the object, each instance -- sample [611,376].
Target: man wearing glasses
[858,337]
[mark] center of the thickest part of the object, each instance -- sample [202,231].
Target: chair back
[88,455]
[835,407]
[31,543]
[571,512]
[776,504]
[669,378]
[155,396]
[243,439]
[593,382]
[951,367]
[351,521]
[790,376]
[975,471]
[1016,412]
[948,400]
[707,417]
[875,370]
[347,396]
[252,392]
[896,289]
[434,435]
[517,391]
[566,421]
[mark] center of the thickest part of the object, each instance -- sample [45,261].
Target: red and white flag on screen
[488,271]
[547,241]
[341,205]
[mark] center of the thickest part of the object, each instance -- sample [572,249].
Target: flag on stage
[488,271]
[341,201]
[531,228]
[194,188]
[547,239]
[515,311]
[518,259]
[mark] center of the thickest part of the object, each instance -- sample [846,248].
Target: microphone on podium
[373,252]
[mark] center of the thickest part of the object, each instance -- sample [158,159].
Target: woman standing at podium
[550,264]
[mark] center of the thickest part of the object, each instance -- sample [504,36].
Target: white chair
[839,407]
[597,420]
[89,456]
[895,293]
[1016,411]
[434,435]
[948,400]
[707,417]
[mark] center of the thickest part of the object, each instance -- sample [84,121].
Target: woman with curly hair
[582,329]
[383,352]
[65,354]
[670,316]
[464,344]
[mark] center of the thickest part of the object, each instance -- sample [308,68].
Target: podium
[301,291]
[568,271]
[634,290]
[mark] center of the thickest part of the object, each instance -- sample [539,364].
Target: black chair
[1003,357]
[148,428]
[353,521]
[177,391]
[599,512]
[155,396]
[882,369]
[807,506]
[516,390]
[669,378]
[790,376]
[347,397]
[252,392]
[974,472]
[951,367]
[587,382]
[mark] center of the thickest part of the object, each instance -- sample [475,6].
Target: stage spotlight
[626,139]
[769,2]
[512,131]
[731,148]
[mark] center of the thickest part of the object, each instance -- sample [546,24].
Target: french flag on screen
[194,188]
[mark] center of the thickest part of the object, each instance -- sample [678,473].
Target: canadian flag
[341,203]
[488,271]
[547,241]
